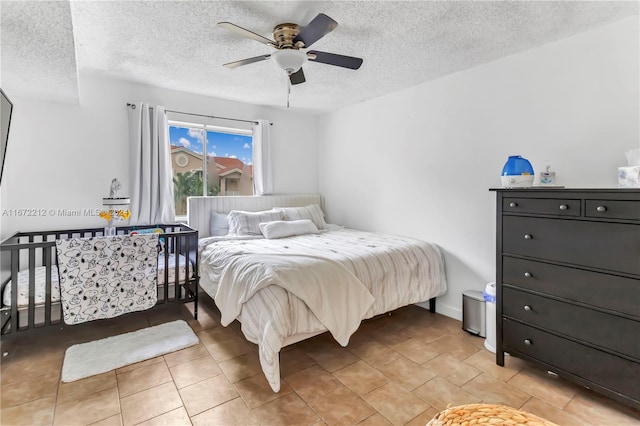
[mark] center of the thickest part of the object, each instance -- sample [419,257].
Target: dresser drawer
[613,209]
[584,324]
[606,291]
[609,246]
[609,371]
[550,206]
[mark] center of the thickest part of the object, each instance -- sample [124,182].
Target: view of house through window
[209,160]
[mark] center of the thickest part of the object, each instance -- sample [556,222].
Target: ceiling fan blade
[335,59]
[246,33]
[319,27]
[297,77]
[247,61]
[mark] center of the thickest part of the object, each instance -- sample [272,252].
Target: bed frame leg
[432,305]
[195,305]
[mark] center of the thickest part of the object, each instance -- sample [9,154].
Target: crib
[29,289]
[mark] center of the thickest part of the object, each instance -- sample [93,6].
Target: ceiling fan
[291,42]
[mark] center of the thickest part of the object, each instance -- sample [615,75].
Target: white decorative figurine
[115,187]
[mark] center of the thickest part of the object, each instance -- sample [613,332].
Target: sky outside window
[219,144]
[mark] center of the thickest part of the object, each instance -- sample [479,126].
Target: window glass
[228,169]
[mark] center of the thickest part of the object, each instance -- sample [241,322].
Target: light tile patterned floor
[398,369]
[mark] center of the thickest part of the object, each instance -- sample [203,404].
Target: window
[228,169]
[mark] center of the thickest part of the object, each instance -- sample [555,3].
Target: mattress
[396,271]
[40,281]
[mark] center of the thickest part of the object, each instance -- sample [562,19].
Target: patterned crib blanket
[41,279]
[105,277]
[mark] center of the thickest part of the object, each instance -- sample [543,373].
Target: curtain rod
[133,106]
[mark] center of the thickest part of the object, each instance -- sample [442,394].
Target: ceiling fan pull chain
[288,90]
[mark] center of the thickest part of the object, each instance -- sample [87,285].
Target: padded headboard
[199,208]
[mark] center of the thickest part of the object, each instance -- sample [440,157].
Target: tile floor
[397,369]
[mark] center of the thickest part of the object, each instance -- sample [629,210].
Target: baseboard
[446,310]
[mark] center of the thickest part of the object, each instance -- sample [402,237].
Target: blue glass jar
[517,166]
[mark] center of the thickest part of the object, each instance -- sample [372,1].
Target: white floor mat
[100,356]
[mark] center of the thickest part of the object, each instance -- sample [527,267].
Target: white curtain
[262,168]
[150,168]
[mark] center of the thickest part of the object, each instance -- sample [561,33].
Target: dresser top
[534,189]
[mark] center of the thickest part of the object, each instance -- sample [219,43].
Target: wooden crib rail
[40,253]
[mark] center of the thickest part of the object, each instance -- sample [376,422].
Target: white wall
[63,156]
[420,162]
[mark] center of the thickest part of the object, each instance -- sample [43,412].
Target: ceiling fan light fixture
[290,60]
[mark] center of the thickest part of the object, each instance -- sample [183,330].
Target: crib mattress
[40,281]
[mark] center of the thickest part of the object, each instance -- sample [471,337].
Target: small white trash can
[490,310]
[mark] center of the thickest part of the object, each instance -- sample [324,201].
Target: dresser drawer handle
[528,274]
[512,204]
[601,209]
[528,342]
[527,236]
[527,308]
[564,207]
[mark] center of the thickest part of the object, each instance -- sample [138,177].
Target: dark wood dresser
[568,284]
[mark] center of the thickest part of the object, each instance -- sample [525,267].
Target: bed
[30,290]
[286,289]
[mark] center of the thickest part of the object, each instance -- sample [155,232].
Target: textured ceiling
[177,45]
[37,54]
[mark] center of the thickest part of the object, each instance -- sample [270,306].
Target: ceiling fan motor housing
[283,35]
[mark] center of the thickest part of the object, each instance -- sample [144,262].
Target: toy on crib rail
[146,231]
[149,231]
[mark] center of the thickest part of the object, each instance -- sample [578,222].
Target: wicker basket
[486,414]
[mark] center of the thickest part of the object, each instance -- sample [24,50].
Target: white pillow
[312,212]
[219,224]
[248,223]
[281,228]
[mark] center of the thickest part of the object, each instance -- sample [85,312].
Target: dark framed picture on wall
[6,107]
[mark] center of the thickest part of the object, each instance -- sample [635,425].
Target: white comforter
[311,283]
[335,296]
